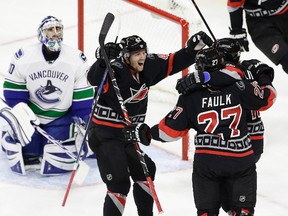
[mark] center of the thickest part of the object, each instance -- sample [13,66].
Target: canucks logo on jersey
[49,89]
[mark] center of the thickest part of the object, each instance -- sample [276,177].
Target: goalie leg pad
[56,161]
[14,154]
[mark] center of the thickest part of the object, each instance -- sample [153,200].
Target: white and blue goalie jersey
[50,89]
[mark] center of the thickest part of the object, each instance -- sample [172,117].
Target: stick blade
[81,173]
[109,18]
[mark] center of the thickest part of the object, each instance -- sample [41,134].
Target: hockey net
[165,25]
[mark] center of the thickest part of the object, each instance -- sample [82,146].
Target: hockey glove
[112,50]
[261,72]
[198,41]
[241,36]
[192,82]
[21,120]
[137,133]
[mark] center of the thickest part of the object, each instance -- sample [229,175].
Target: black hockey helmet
[131,44]
[208,59]
[229,48]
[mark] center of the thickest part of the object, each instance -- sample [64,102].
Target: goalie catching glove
[137,133]
[21,120]
[192,82]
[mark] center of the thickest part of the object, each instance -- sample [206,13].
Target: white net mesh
[181,8]
[165,90]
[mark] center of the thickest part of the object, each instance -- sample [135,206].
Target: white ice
[35,195]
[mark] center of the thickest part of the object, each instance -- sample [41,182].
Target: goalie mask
[131,44]
[229,48]
[50,33]
[208,60]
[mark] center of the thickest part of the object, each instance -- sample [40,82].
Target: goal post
[81,25]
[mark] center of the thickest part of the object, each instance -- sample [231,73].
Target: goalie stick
[106,24]
[102,37]
[54,141]
[83,168]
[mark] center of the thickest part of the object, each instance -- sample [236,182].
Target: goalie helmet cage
[164,14]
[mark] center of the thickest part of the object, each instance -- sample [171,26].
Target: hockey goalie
[45,87]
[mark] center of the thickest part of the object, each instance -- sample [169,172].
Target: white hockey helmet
[50,33]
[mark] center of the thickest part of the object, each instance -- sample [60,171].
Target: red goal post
[81,25]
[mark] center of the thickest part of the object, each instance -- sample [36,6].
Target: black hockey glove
[137,133]
[261,72]
[112,50]
[241,36]
[198,41]
[192,82]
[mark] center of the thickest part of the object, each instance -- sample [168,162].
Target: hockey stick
[102,37]
[198,10]
[54,141]
[76,165]
[107,23]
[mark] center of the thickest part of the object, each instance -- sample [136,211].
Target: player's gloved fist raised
[137,133]
[241,36]
[258,69]
[198,41]
[192,82]
[112,50]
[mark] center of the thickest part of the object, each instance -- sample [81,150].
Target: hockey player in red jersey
[223,151]
[267,25]
[135,71]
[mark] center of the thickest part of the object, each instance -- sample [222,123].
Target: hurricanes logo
[44,93]
[138,95]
